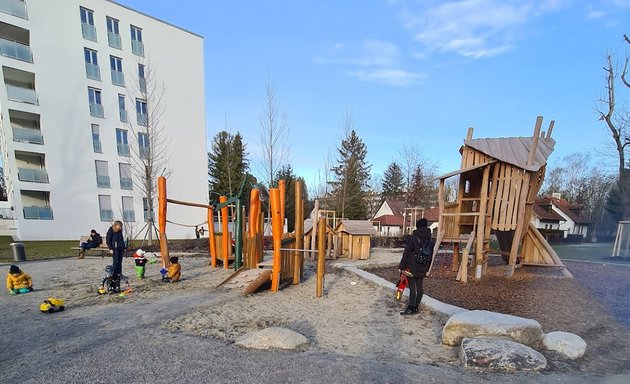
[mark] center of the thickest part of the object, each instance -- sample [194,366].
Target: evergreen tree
[393,182]
[423,192]
[228,166]
[351,178]
[286,173]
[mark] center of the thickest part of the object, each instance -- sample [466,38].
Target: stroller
[111,281]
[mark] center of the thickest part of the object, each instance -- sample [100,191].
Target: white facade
[63,76]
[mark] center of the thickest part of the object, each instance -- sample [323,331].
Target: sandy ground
[355,332]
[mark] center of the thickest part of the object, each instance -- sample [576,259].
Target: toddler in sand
[174,271]
[18,281]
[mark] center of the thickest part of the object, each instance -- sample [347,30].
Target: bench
[101,248]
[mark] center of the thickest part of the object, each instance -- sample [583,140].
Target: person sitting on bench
[94,241]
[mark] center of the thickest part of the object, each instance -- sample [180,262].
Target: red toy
[402,283]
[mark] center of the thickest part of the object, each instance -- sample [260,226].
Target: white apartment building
[74,110]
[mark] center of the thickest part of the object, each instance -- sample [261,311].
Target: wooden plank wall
[287,259]
[252,251]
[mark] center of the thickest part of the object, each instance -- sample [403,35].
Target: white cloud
[593,14]
[473,28]
[395,77]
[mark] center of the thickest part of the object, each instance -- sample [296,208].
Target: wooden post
[522,222]
[225,241]
[483,203]
[282,188]
[551,123]
[254,206]
[299,233]
[276,227]
[162,220]
[532,150]
[212,241]
[321,266]
[238,236]
[314,230]
[441,228]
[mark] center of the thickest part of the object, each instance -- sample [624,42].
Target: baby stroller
[111,281]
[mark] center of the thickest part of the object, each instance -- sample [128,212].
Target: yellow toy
[52,304]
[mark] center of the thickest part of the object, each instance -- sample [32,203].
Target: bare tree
[410,158]
[616,120]
[274,133]
[147,152]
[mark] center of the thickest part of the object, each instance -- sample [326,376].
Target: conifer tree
[393,182]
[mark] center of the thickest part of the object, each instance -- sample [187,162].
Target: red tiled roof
[397,207]
[390,220]
[571,210]
[544,212]
[432,214]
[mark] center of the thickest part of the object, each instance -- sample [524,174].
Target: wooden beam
[469,134]
[532,150]
[481,229]
[521,223]
[550,129]
[441,228]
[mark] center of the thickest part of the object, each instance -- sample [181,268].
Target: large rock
[274,337]
[566,344]
[485,323]
[500,354]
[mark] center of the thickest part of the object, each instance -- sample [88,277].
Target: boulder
[500,354]
[273,337]
[486,323]
[566,344]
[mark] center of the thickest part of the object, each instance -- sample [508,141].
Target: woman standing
[421,235]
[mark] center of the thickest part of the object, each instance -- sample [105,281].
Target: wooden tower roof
[514,150]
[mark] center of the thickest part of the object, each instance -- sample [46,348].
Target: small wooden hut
[498,182]
[353,238]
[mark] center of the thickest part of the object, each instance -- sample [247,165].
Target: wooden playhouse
[353,238]
[498,182]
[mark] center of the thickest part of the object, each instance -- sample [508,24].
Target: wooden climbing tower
[498,182]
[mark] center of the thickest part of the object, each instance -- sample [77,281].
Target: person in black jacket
[94,241]
[420,236]
[116,244]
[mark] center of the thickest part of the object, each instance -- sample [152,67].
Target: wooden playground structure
[251,269]
[498,182]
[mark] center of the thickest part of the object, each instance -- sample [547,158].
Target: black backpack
[425,254]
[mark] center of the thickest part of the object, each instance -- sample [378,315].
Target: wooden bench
[101,248]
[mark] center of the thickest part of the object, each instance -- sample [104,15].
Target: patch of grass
[38,250]
[599,252]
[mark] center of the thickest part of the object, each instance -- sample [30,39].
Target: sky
[409,72]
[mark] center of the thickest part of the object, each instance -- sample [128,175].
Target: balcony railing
[6,214]
[143,84]
[107,215]
[22,94]
[93,71]
[129,216]
[123,150]
[123,116]
[118,78]
[89,31]
[97,110]
[102,181]
[32,136]
[33,175]
[14,7]
[114,40]
[137,48]
[143,119]
[126,183]
[98,147]
[15,50]
[38,213]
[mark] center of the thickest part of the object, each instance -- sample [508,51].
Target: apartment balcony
[96,110]
[6,214]
[143,152]
[89,31]
[22,94]
[123,116]
[102,181]
[118,78]
[25,135]
[137,48]
[126,183]
[129,216]
[143,119]
[93,71]
[96,144]
[14,7]
[107,215]
[33,175]
[15,50]
[114,40]
[142,82]
[123,150]
[38,213]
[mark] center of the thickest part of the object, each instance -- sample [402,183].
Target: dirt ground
[593,305]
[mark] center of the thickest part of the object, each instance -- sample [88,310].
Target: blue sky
[410,72]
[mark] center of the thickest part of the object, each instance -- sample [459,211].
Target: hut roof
[357,227]
[514,150]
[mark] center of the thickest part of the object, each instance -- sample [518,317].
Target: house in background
[555,214]
[390,218]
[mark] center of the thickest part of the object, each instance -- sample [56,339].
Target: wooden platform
[247,280]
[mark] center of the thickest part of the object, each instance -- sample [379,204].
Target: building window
[137,46]
[122,142]
[142,81]
[96,107]
[87,24]
[113,33]
[36,205]
[122,109]
[96,139]
[102,174]
[15,8]
[146,209]
[141,112]
[126,181]
[105,206]
[143,145]
[128,212]
[91,64]
[118,78]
